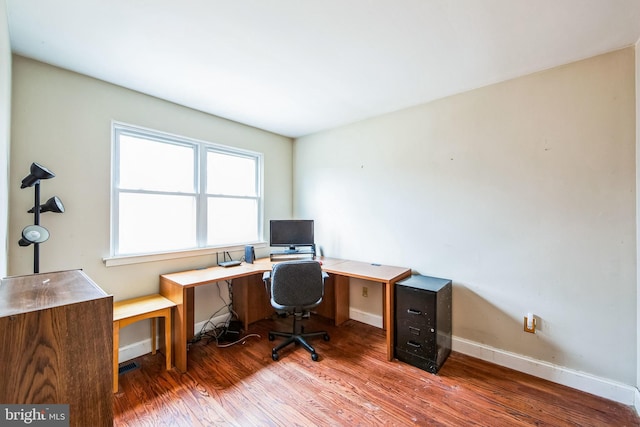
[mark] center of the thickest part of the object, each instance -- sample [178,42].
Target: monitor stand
[295,252]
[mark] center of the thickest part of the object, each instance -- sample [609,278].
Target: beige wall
[522,193]
[5,120]
[63,121]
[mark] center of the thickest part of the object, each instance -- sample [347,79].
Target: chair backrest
[296,284]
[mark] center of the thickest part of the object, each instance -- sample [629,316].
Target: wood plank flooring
[351,385]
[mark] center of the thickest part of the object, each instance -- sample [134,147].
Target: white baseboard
[140,348]
[134,350]
[364,317]
[603,387]
[612,390]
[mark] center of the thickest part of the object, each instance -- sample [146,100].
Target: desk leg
[388,314]
[341,292]
[179,295]
[384,306]
[180,339]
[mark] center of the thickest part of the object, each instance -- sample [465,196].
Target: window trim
[114,261]
[201,147]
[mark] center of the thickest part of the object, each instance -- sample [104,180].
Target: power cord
[241,340]
[220,330]
[209,328]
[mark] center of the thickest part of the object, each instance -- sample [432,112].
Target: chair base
[296,338]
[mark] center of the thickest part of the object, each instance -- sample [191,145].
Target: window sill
[163,256]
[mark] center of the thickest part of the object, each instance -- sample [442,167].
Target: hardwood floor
[351,384]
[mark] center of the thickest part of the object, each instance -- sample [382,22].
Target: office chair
[296,287]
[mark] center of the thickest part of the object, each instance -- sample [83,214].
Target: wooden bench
[133,310]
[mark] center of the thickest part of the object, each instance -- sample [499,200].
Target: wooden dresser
[56,344]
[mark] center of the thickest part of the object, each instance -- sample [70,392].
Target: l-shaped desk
[251,302]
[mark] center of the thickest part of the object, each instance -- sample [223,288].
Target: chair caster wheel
[314,357]
[274,356]
[326,337]
[271,337]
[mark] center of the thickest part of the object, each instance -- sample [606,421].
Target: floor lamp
[36,234]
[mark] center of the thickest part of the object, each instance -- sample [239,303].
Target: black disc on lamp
[33,234]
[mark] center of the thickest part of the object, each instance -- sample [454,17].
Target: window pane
[231,175]
[160,183]
[153,165]
[232,221]
[154,223]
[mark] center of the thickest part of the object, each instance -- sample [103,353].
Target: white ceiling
[295,67]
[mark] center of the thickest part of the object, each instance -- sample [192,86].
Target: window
[172,193]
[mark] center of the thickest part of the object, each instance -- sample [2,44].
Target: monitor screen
[291,232]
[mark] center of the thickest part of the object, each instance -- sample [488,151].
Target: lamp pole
[36,234]
[36,221]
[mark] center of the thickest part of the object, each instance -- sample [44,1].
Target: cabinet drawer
[406,331]
[418,340]
[417,317]
[415,305]
[417,361]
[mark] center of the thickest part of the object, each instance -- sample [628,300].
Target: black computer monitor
[291,232]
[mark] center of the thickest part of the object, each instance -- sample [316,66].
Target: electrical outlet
[365,291]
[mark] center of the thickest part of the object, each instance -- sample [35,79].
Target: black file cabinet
[423,321]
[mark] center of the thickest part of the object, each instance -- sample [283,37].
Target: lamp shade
[54,204]
[38,172]
[33,234]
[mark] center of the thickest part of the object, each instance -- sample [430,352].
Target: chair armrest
[266,276]
[325,275]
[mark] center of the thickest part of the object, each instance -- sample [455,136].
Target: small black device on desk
[249,254]
[224,262]
[229,263]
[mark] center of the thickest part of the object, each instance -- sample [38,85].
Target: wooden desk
[385,274]
[250,298]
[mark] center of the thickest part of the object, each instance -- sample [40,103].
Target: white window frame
[200,171]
